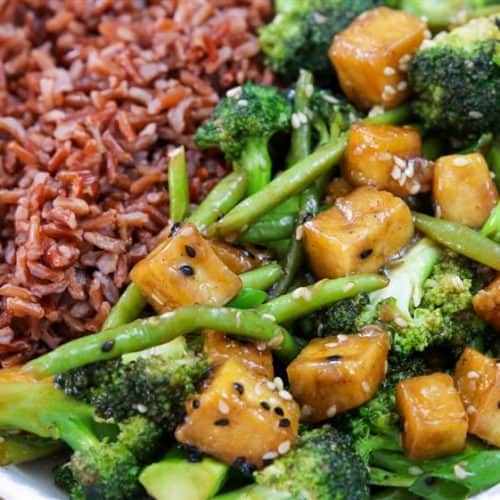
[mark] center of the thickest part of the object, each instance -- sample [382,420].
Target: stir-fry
[325,324]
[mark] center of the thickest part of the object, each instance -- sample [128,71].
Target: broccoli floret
[154,383]
[339,318]
[322,466]
[457,81]
[443,13]
[301,32]
[241,126]
[103,464]
[428,302]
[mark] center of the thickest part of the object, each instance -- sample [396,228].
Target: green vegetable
[174,477]
[291,181]
[178,185]
[144,333]
[129,306]
[20,447]
[261,277]
[491,228]
[456,81]
[154,384]
[396,116]
[301,33]
[493,159]
[322,466]
[441,14]
[270,228]
[460,239]
[248,298]
[241,126]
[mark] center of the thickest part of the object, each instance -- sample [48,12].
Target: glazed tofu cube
[463,190]
[184,270]
[371,56]
[487,303]
[358,234]
[387,157]
[477,378]
[433,416]
[334,374]
[219,348]
[241,417]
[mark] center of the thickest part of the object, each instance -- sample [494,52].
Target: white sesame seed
[427,44]
[302,293]
[348,286]
[402,86]
[271,386]
[386,366]
[331,345]
[414,470]
[415,187]
[342,338]
[460,161]
[376,111]
[270,455]
[475,114]
[295,121]
[410,170]
[330,99]
[405,58]
[332,411]
[385,156]
[400,162]
[283,447]
[299,232]
[141,408]
[309,90]
[389,71]
[273,401]
[425,19]
[262,346]
[402,180]
[258,390]
[460,472]
[365,386]
[472,375]
[471,409]
[276,341]
[223,407]
[396,173]
[285,395]
[278,383]
[389,90]
[242,103]
[235,92]
[270,317]
[238,319]
[400,322]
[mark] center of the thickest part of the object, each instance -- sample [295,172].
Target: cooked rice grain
[93,93]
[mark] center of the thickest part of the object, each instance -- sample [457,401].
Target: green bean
[128,307]
[178,185]
[144,333]
[483,141]
[262,277]
[291,181]
[279,247]
[223,197]
[267,229]
[493,159]
[248,298]
[305,300]
[460,239]
[395,116]
[491,228]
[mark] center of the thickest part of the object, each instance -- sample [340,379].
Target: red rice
[93,93]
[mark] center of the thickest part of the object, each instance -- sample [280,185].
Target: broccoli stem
[267,229]
[460,239]
[128,307]
[491,228]
[253,492]
[178,185]
[295,304]
[144,333]
[261,278]
[291,181]
[19,448]
[223,197]
[256,162]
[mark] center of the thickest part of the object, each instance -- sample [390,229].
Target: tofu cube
[433,416]
[219,348]
[487,303]
[240,417]
[387,157]
[463,190]
[371,56]
[334,374]
[477,378]
[358,234]
[184,270]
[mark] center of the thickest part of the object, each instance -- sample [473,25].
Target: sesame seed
[302,293]
[410,170]
[331,412]
[299,232]
[396,173]
[223,407]
[141,408]
[279,411]
[385,156]
[460,472]
[271,386]
[221,422]
[270,455]
[270,317]
[415,470]
[262,346]
[309,90]
[285,395]
[401,86]
[402,180]
[386,367]
[191,252]
[284,447]
[284,422]
[342,337]
[107,346]
[186,270]
[460,161]
[389,90]
[273,401]
[376,111]
[295,121]
[278,383]
[242,103]
[472,375]
[331,345]
[365,386]
[235,92]
[265,405]
[389,71]
[471,409]
[400,322]
[415,188]
[400,162]
[350,285]
[240,389]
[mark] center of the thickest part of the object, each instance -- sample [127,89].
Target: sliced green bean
[460,239]
[491,228]
[129,306]
[291,181]
[148,332]
[483,141]
[305,300]
[223,197]
[248,298]
[262,277]
[493,159]
[267,229]
[395,116]
[178,185]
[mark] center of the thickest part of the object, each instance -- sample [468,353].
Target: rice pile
[92,95]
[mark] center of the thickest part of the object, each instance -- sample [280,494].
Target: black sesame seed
[186,270]
[195,457]
[430,480]
[174,229]
[222,422]
[265,405]
[334,358]
[279,411]
[190,251]
[107,346]
[239,388]
[195,403]
[366,253]
[246,468]
[284,422]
